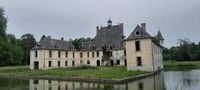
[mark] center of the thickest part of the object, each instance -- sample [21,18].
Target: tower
[160,38]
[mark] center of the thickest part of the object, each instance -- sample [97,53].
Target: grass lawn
[84,72]
[181,65]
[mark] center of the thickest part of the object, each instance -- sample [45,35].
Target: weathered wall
[145,54]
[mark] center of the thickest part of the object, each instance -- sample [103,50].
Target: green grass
[81,72]
[181,65]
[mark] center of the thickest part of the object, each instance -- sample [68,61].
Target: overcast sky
[177,19]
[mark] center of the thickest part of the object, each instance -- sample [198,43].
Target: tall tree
[3,25]
[10,52]
[28,42]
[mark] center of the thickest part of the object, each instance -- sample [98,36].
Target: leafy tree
[28,42]
[3,25]
[185,52]
[10,52]
[77,42]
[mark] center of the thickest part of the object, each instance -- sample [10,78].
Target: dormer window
[137,33]
[93,47]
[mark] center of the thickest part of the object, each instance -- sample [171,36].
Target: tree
[185,52]
[10,51]
[77,42]
[3,25]
[28,42]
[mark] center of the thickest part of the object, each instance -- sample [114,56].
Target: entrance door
[98,62]
[111,62]
[125,62]
[36,65]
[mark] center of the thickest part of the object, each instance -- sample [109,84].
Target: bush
[84,67]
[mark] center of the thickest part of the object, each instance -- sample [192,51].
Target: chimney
[143,26]
[62,38]
[49,37]
[97,28]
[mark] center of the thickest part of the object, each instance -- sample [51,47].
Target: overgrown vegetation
[77,42]
[91,72]
[186,51]
[13,51]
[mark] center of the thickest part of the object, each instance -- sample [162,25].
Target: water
[168,80]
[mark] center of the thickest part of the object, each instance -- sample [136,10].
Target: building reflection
[150,83]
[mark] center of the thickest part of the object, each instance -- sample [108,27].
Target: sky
[176,19]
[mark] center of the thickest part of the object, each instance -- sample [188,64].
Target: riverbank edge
[78,79]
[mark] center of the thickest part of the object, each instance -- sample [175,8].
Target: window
[139,61]
[66,54]
[49,63]
[49,81]
[97,53]
[137,33]
[93,47]
[137,45]
[81,55]
[140,86]
[36,53]
[65,63]
[73,63]
[59,87]
[92,54]
[50,53]
[124,52]
[88,61]
[50,88]
[118,62]
[73,55]
[88,54]
[58,53]
[35,81]
[58,63]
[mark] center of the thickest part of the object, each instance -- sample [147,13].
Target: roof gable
[138,33]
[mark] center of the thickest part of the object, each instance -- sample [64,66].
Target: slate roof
[106,36]
[143,34]
[48,43]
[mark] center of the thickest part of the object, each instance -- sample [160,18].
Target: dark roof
[106,36]
[159,35]
[48,43]
[142,34]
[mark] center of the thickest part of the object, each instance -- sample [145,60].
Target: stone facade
[143,53]
[108,48]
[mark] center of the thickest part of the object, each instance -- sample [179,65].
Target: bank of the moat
[86,74]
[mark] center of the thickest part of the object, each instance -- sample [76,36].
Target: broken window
[139,61]
[36,53]
[137,45]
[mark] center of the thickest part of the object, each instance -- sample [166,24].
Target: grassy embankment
[83,72]
[181,65]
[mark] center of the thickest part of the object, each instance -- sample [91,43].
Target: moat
[167,80]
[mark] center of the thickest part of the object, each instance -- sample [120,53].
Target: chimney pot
[143,26]
[62,38]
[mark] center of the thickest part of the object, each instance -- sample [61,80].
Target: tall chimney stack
[143,26]
[97,29]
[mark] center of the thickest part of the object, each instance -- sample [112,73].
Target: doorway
[98,62]
[36,65]
[111,62]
